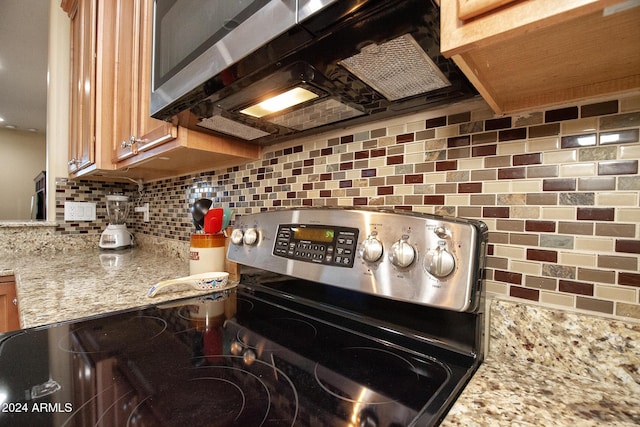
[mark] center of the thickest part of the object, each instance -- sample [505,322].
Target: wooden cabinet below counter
[9,314]
[529,54]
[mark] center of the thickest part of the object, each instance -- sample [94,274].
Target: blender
[116,234]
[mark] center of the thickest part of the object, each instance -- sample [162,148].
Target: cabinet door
[9,315]
[134,129]
[82,116]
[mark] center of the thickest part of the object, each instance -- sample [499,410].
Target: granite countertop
[55,286]
[553,368]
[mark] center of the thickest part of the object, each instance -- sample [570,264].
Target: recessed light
[10,126]
[1,119]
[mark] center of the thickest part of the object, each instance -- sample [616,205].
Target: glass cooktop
[242,357]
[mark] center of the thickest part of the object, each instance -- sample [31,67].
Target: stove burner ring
[363,380]
[132,332]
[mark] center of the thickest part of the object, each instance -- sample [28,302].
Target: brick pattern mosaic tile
[559,190]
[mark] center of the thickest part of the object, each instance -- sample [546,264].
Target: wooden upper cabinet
[528,54]
[9,314]
[134,129]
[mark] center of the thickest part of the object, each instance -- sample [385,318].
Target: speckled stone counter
[553,368]
[55,286]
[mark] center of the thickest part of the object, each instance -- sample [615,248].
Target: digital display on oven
[324,235]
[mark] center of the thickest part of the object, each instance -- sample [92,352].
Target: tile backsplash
[559,190]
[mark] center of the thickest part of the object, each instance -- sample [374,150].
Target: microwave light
[280,102]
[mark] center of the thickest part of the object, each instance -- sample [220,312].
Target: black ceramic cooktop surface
[234,358]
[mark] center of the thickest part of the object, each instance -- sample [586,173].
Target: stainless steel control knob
[402,254]
[371,249]
[236,236]
[439,262]
[250,236]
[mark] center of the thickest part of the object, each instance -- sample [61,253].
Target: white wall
[22,158]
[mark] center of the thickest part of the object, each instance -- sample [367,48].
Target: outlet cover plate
[79,211]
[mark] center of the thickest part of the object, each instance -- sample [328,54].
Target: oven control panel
[327,245]
[419,258]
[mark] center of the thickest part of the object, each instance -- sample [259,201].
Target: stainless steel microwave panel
[247,36]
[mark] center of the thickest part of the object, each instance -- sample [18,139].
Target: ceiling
[24,27]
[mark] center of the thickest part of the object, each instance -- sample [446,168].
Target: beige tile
[513,252]
[629,152]
[447,131]
[436,177]
[553,298]
[472,164]
[628,310]
[525,267]
[605,199]
[526,186]
[594,244]
[414,147]
[631,103]
[543,144]
[628,215]
[416,126]
[577,259]
[496,288]
[616,293]
[509,148]
[457,199]
[578,126]
[497,187]
[396,130]
[579,169]
[563,156]
[558,213]
[526,212]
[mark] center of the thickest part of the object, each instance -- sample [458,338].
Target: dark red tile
[450,165]
[307,186]
[434,200]
[512,134]
[346,139]
[595,214]
[618,167]
[326,151]
[291,195]
[470,187]
[628,246]
[360,201]
[580,288]
[512,173]
[524,293]
[384,191]
[542,255]
[508,277]
[395,160]
[379,152]
[495,212]
[560,184]
[540,226]
[414,179]
[325,177]
[346,166]
[359,155]
[599,109]
[527,159]
[436,122]
[325,193]
[561,114]
[407,137]
[484,150]
[629,279]
[495,124]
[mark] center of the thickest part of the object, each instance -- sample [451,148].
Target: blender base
[115,236]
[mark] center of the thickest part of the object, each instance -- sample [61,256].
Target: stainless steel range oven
[342,317]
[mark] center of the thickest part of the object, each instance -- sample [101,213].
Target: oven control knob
[236,236]
[371,249]
[250,236]
[439,262]
[402,253]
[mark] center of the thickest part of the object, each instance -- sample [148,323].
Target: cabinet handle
[15,301]
[73,162]
[132,140]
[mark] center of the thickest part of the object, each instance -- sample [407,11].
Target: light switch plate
[79,211]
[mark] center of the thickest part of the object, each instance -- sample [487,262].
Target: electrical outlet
[79,211]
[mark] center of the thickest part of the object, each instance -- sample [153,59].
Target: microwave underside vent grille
[231,127]
[397,69]
[314,115]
